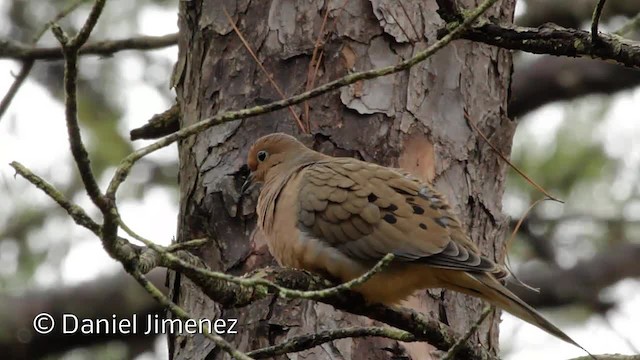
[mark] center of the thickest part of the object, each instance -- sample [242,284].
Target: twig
[83,35]
[400,26]
[504,158]
[159,125]
[556,40]
[76,212]
[314,63]
[195,243]
[70,49]
[406,13]
[256,282]
[304,342]
[15,86]
[18,51]
[595,19]
[127,163]
[511,239]
[59,16]
[450,355]
[184,316]
[266,73]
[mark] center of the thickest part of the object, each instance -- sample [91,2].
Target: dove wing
[366,211]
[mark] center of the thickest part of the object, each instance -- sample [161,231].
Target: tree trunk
[413,119]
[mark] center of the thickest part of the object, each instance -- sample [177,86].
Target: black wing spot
[418,210]
[410,199]
[390,219]
[372,197]
[391,207]
[423,226]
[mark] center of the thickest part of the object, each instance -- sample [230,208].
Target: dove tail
[488,288]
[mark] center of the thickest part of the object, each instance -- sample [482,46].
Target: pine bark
[413,119]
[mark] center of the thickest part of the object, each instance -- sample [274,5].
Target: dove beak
[247,184]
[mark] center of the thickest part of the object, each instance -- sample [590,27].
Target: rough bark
[412,119]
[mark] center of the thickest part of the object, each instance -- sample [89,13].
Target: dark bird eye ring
[262,155]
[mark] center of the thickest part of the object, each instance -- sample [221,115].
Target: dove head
[277,153]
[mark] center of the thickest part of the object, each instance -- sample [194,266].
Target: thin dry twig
[400,26]
[267,74]
[406,13]
[78,214]
[510,242]
[254,282]
[18,51]
[504,158]
[15,86]
[311,74]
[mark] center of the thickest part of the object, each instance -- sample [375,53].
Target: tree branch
[70,50]
[14,50]
[15,86]
[556,40]
[159,125]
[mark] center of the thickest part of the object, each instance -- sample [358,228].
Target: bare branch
[77,213]
[13,89]
[159,125]
[556,40]
[70,49]
[14,50]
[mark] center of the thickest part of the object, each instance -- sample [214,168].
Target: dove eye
[262,155]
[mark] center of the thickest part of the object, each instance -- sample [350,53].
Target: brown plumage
[340,216]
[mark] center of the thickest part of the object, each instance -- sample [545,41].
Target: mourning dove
[340,216]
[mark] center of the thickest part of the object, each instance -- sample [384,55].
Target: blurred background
[578,136]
